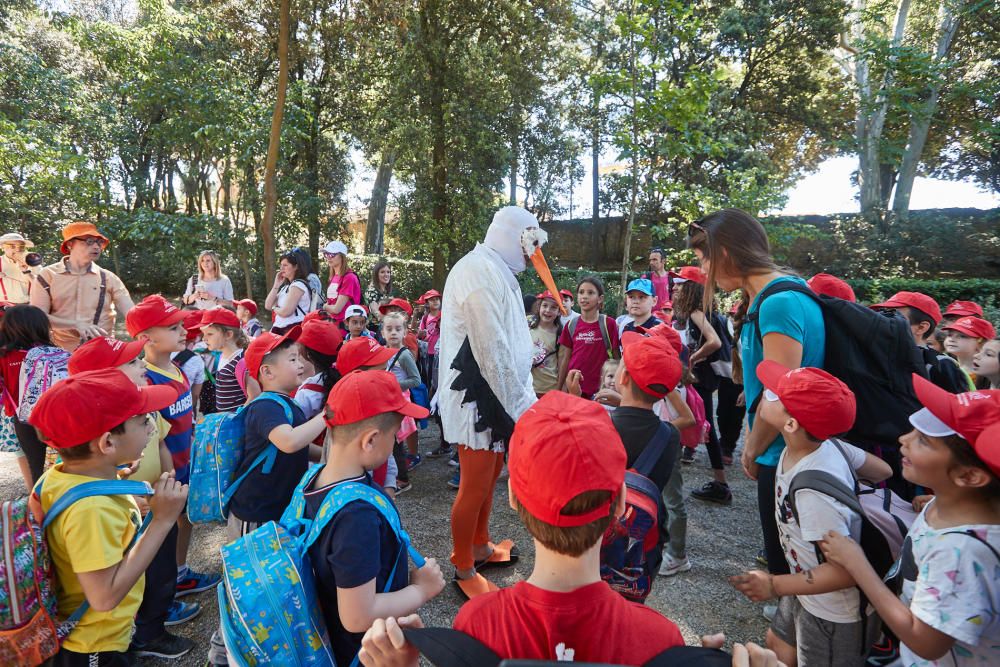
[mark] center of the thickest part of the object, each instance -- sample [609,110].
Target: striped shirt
[180,416]
[228,394]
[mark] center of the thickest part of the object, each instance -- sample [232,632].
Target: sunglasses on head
[695,227]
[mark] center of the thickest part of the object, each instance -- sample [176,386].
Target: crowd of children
[350,391]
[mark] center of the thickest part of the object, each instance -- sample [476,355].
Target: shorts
[821,642]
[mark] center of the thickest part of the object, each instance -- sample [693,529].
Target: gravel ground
[722,541]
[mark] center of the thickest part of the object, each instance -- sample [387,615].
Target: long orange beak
[542,267]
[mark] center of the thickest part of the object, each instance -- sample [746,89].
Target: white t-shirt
[952,583]
[193,369]
[310,400]
[300,310]
[664,410]
[818,513]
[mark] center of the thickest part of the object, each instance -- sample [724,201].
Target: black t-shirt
[637,426]
[356,546]
[648,324]
[261,497]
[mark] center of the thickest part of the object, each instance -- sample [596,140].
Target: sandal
[474,586]
[504,554]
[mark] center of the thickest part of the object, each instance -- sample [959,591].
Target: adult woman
[289,298]
[380,288]
[733,250]
[704,342]
[15,273]
[345,288]
[209,287]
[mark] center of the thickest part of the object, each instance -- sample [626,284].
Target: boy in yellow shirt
[89,542]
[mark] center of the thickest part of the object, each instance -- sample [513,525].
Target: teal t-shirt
[794,315]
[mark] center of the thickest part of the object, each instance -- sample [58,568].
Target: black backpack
[871,352]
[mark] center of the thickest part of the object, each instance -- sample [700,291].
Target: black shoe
[714,492]
[443,450]
[687,456]
[166,646]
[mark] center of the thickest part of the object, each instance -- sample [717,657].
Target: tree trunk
[634,196]
[274,144]
[375,231]
[514,166]
[920,121]
[595,183]
[439,165]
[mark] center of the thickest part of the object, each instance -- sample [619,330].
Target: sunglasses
[695,227]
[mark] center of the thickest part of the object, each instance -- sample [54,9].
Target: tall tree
[274,144]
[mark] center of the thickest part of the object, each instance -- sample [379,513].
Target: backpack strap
[602,321]
[445,647]
[776,288]
[971,533]
[45,284]
[267,457]
[102,296]
[183,357]
[825,483]
[653,451]
[395,359]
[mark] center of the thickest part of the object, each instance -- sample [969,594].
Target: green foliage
[410,278]
[985,292]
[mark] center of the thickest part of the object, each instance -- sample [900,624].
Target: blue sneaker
[181,612]
[455,480]
[413,460]
[195,582]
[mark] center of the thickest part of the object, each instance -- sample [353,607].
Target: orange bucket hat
[76,230]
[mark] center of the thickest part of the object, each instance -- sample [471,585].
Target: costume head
[514,234]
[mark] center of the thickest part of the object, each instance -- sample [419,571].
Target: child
[429,329]
[947,612]
[273,361]
[567,301]
[966,337]
[191,362]
[222,333]
[566,514]
[356,553]
[404,368]
[923,314]
[246,311]
[89,542]
[640,298]
[356,320]
[582,343]
[986,363]
[158,606]
[608,373]
[22,328]
[545,331]
[818,621]
[158,324]
[959,309]
[403,306]
[319,341]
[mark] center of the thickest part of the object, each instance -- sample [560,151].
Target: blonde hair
[395,316]
[610,366]
[215,259]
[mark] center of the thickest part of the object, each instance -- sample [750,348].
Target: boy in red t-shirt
[567,515]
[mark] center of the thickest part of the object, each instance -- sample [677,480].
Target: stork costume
[485,386]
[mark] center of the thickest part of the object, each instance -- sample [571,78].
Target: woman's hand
[277,280]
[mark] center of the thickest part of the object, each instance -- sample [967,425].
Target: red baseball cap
[692,273]
[976,327]
[921,302]
[221,316]
[362,351]
[945,413]
[249,304]
[964,309]
[824,405]
[263,345]
[320,315]
[363,394]
[987,447]
[668,333]
[576,437]
[103,352]
[97,401]
[566,294]
[323,336]
[153,311]
[399,303]
[429,294]
[547,295]
[824,283]
[652,362]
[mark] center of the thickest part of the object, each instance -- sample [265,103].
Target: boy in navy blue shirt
[357,550]
[274,362]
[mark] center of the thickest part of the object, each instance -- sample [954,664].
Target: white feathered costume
[482,303]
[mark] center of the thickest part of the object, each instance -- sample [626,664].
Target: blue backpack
[216,453]
[630,548]
[268,605]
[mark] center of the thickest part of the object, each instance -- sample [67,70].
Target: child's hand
[428,579]
[129,470]
[573,380]
[753,655]
[384,645]
[755,584]
[168,499]
[920,501]
[842,550]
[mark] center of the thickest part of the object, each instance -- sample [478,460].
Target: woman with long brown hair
[734,252]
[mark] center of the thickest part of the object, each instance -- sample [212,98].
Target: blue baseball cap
[643,285]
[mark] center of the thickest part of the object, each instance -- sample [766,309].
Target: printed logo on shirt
[564,654]
[589,337]
[183,404]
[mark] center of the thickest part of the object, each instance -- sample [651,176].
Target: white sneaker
[672,566]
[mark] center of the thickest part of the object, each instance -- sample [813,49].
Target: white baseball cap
[355,311]
[334,248]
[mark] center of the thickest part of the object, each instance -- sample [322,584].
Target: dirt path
[721,541]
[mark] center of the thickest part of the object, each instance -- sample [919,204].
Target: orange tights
[470,513]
